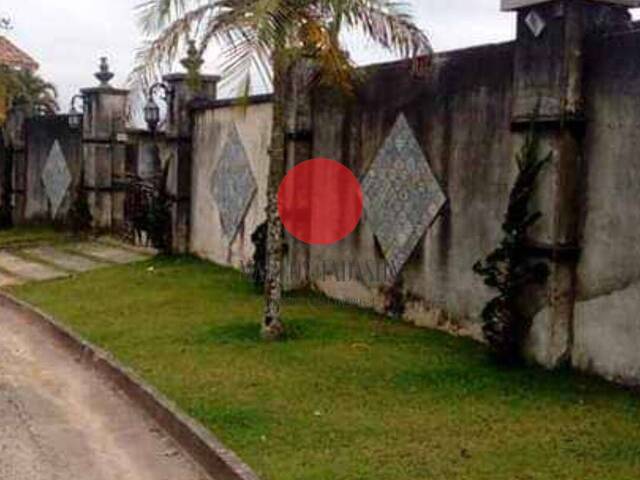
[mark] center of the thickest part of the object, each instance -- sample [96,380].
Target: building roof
[12,56]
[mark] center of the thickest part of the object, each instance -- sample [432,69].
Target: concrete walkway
[60,421]
[40,263]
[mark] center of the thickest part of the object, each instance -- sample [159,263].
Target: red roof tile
[14,57]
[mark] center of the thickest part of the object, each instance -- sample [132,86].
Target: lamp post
[75,115]
[151,109]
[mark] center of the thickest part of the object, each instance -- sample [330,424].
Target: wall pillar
[16,162]
[104,150]
[548,92]
[178,151]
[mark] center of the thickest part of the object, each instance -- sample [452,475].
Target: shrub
[79,216]
[259,265]
[159,219]
[509,268]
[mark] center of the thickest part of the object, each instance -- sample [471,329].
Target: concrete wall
[461,115]
[211,131]
[95,154]
[606,324]
[105,153]
[14,166]
[41,134]
[143,154]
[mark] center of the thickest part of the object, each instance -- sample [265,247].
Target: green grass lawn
[350,395]
[26,236]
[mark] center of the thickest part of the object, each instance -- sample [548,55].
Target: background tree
[28,88]
[269,37]
[36,92]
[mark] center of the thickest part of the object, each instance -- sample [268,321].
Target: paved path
[32,264]
[59,421]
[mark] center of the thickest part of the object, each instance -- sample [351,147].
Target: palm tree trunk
[272,327]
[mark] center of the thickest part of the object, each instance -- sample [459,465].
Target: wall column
[104,149]
[15,150]
[178,152]
[548,92]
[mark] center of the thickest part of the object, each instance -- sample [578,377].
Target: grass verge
[350,395]
[19,237]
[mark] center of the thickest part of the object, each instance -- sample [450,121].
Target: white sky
[67,37]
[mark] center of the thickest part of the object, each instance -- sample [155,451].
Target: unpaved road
[59,421]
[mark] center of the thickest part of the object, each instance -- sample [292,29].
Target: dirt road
[58,421]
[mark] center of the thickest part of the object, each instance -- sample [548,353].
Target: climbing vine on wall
[259,264]
[509,269]
[148,212]
[159,217]
[79,217]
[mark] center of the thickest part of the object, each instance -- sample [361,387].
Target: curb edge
[203,447]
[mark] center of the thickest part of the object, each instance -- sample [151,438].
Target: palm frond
[249,31]
[155,15]
[388,23]
[334,64]
[158,55]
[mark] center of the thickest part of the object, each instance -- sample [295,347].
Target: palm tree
[9,87]
[37,92]
[25,87]
[270,36]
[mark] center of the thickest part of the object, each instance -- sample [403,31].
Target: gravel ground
[59,421]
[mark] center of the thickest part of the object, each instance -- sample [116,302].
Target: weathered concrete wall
[94,154]
[143,154]
[606,324]
[105,153]
[210,136]
[461,115]
[16,149]
[5,174]
[41,134]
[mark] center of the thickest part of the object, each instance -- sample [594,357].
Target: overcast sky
[67,37]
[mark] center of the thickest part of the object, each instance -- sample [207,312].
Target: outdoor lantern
[151,109]
[75,115]
[152,114]
[75,118]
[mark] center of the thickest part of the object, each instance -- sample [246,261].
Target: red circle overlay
[320,201]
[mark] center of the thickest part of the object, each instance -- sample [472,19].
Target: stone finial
[192,64]
[104,76]
[193,61]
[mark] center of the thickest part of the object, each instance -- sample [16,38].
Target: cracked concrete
[50,262]
[108,253]
[23,268]
[62,259]
[60,421]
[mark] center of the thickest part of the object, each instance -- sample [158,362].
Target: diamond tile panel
[233,185]
[401,195]
[56,177]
